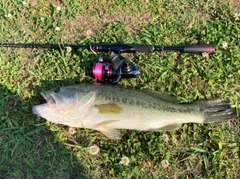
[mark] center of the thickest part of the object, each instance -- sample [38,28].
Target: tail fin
[216,110]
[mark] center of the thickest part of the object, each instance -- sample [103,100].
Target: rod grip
[199,48]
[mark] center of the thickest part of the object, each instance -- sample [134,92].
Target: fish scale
[151,104]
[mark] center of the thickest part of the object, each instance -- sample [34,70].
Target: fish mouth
[37,109]
[51,102]
[41,107]
[52,99]
[49,98]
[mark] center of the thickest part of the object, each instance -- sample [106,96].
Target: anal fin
[169,127]
[109,132]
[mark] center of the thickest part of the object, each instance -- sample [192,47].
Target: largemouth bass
[108,108]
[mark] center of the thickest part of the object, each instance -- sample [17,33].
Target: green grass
[30,147]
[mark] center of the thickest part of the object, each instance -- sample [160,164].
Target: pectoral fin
[109,132]
[169,127]
[110,108]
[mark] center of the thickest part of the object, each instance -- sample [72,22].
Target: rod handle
[199,48]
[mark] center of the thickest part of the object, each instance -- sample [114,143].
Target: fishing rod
[112,69]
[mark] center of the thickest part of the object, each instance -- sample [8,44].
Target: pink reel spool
[98,71]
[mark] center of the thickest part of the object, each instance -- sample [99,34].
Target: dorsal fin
[161,96]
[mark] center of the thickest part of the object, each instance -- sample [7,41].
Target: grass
[33,148]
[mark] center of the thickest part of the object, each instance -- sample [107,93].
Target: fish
[107,108]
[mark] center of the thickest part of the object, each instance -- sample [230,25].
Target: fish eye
[57,90]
